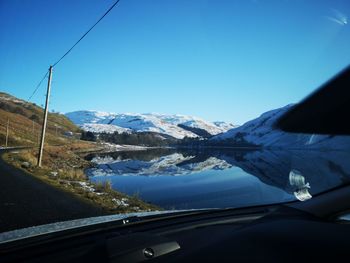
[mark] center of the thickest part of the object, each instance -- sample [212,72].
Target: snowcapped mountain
[212,128]
[95,117]
[224,125]
[177,126]
[260,131]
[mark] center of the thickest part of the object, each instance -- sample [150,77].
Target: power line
[87,32]
[38,86]
[69,50]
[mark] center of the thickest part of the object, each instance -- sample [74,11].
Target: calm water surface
[192,179]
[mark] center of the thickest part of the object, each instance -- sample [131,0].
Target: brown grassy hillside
[26,120]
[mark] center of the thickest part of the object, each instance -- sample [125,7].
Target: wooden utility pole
[41,148]
[7,132]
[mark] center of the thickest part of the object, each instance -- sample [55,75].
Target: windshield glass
[184,179]
[112,107]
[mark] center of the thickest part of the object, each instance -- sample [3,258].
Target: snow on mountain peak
[261,131]
[177,126]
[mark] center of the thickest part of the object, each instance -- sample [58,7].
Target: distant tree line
[159,140]
[88,136]
[237,141]
[200,132]
[142,138]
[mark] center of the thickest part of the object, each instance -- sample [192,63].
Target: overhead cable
[38,86]
[87,32]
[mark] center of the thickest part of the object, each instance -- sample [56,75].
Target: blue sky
[219,60]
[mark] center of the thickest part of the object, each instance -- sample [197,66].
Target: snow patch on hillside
[261,131]
[107,128]
[97,121]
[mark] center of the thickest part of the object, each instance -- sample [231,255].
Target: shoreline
[105,147]
[64,168]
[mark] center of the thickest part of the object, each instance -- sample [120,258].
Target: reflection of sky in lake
[223,179]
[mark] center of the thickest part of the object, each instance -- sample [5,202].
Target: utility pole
[7,132]
[41,148]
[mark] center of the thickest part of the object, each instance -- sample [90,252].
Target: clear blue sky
[219,60]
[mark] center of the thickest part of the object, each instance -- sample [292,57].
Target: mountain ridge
[175,125]
[261,131]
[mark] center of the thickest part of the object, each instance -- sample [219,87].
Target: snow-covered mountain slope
[194,122]
[107,128]
[224,125]
[172,125]
[261,131]
[97,117]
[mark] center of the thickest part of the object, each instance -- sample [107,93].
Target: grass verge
[63,167]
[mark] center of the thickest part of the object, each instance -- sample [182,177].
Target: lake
[185,179]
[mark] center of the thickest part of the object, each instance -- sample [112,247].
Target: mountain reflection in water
[203,179]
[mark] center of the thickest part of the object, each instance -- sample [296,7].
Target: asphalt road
[26,201]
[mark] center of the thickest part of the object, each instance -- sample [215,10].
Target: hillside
[25,121]
[176,126]
[63,162]
[261,131]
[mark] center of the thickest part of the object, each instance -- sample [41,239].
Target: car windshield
[114,107]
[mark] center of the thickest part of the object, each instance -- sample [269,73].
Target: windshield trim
[34,231]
